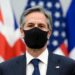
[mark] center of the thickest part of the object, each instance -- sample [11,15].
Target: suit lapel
[53,65]
[52,69]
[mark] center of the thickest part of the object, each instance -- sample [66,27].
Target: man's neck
[35,52]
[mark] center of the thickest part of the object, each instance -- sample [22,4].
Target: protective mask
[35,38]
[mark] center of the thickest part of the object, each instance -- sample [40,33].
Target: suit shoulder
[63,59]
[12,61]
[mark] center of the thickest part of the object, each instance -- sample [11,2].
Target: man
[36,28]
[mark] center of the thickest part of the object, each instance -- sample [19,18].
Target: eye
[30,25]
[41,25]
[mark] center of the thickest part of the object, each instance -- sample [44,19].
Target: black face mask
[35,38]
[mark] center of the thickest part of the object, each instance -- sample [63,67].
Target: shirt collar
[43,57]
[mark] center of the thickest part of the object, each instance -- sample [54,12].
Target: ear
[49,34]
[22,32]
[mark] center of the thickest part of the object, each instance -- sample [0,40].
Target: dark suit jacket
[57,65]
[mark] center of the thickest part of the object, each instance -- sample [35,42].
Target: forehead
[36,16]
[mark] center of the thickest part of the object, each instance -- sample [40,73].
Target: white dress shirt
[42,65]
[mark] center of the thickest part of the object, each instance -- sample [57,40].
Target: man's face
[36,25]
[36,19]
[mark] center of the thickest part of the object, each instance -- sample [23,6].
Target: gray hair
[39,9]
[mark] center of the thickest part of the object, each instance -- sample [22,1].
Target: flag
[62,39]
[57,40]
[70,20]
[11,44]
